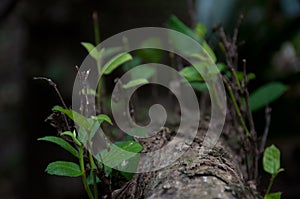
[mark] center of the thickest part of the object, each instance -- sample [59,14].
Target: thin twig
[246,95]
[237,109]
[191,12]
[231,55]
[96,27]
[251,123]
[51,83]
[236,30]
[266,131]
[235,36]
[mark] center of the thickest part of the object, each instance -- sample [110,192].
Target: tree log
[218,173]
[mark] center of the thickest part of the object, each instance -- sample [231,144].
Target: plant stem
[84,179]
[270,184]
[99,88]
[237,109]
[96,28]
[97,41]
[94,175]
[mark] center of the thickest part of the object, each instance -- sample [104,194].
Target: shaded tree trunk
[217,174]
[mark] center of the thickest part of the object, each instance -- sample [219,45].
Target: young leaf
[200,30]
[102,117]
[131,64]
[271,160]
[222,67]
[91,49]
[199,86]
[62,168]
[134,83]
[76,117]
[111,51]
[149,54]
[134,162]
[115,156]
[175,24]
[115,62]
[130,146]
[88,46]
[191,74]
[210,52]
[84,134]
[276,195]
[144,73]
[129,165]
[266,94]
[128,176]
[61,142]
[90,179]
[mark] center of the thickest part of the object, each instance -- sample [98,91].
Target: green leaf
[128,176]
[251,76]
[115,62]
[266,94]
[240,76]
[101,118]
[276,195]
[61,142]
[76,117]
[150,54]
[90,179]
[91,49]
[84,134]
[88,46]
[111,51]
[143,73]
[222,67]
[115,156]
[200,30]
[131,64]
[199,86]
[132,166]
[210,52]
[134,83]
[107,170]
[62,168]
[130,146]
[175,24]
[191,74]
[271,160]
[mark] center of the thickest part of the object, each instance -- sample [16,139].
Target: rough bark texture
[217,174]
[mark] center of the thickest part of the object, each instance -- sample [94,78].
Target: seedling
[271,164]
[91,169]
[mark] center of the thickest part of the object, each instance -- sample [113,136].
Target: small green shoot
[271,164]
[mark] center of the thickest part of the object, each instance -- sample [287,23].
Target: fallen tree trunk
[216,174]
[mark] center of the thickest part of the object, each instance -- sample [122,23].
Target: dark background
[42,38]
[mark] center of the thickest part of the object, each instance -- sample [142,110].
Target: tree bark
[216,174]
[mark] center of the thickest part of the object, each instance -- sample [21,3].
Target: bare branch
[51,83]
[266,131]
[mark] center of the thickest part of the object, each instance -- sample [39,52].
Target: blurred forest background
[42,38]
